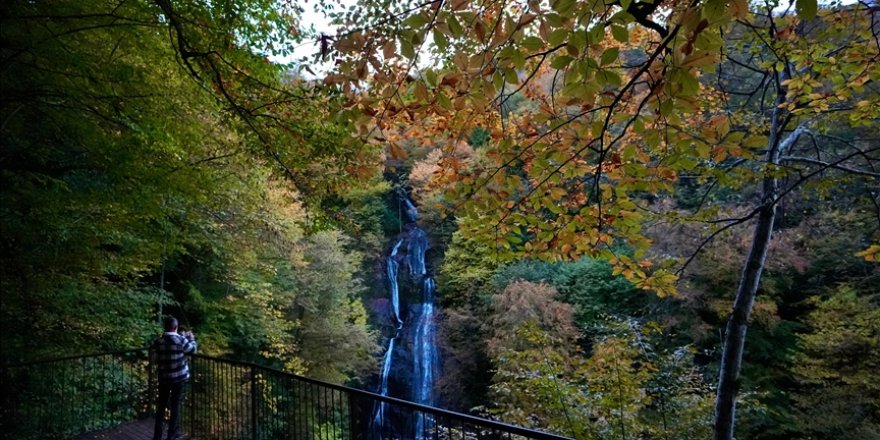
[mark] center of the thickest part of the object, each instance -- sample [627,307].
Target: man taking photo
[170,352]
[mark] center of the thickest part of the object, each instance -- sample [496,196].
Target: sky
[309,49]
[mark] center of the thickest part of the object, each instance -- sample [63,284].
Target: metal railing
[225,399]
[62,397]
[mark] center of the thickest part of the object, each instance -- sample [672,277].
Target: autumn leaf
[872,253]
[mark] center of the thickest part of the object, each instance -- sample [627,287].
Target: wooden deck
[138,430]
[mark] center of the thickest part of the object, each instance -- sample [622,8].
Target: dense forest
[646,219]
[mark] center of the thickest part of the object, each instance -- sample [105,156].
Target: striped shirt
[170,351]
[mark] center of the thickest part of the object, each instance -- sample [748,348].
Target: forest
[646,219]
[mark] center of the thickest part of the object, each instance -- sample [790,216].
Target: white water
[415,251]
[392,269]
[383,387]
[425,360]
[411,212]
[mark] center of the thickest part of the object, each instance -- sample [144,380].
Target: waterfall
[411,212]
[425,359]
[392,268]
[415,251]
[383,386]
[424,352]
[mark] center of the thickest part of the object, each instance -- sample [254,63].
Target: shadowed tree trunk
[737,323]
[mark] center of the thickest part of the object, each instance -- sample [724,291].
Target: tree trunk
[737,324]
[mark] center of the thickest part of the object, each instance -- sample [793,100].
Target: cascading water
[415,251]
[411,212]
[424,353]
[383,387]
[425,358]
[392,267]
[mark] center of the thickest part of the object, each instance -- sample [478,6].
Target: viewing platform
[112,395]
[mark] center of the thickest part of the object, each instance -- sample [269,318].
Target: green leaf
[444,101]
[454,26]
[510,76]
[557,37]
[755,141]
[415,21]
[620,33]
[533,43]
[431,78]
[608,77]
[714,9]
[563,7]
[406,49]
[806,9]
[561,62]
[440,41]
[609,56]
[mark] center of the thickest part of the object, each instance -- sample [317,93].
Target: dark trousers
[170,396]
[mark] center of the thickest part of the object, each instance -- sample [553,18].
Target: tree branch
[827,165]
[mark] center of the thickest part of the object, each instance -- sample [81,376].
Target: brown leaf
[389,50]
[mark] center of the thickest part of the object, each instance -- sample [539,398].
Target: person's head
[170,324]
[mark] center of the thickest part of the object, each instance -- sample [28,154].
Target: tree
[622,387]
[809,99]
[142,175]
[616,87]
[836,365]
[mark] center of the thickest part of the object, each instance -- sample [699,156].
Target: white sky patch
[307,50]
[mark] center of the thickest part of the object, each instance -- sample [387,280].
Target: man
[170,352]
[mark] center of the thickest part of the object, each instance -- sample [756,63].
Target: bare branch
[829,165]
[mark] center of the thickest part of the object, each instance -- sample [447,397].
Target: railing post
[253,402]
[354,417]
[190,396]
[151,409]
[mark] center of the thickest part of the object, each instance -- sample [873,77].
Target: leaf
[714,9]
[563,7]
[532,43]
[806,9]
[389,50]
[620,33]
[415,21]
[739,8]
[755,141]
[406,49]
[608,77]
[431,77]
[455,27]
[870,254]
[700,58]
[440,41]
[557,37]
[396,152]
[609,56]
[560,62]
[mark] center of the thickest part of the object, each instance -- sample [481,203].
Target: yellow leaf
[700,58]
[870,254]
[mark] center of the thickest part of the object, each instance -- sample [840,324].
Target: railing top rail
[485,423]
[72,357]
[513,429]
